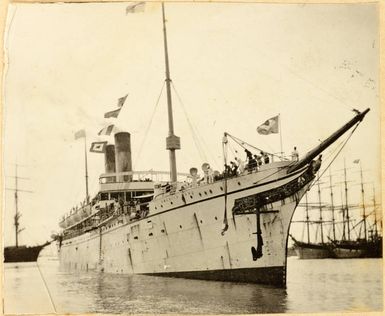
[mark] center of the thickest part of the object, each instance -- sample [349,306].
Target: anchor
[257,252]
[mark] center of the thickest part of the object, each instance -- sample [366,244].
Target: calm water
[313,286]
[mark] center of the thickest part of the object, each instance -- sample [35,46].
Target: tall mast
[346,200]
[17,215]
[85,159]
[172,141]
[332,204]
[307,220]
[343,216]
[375,213]
[320,210]
[363,201]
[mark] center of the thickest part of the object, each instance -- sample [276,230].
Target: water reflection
[313,286]
[145,294]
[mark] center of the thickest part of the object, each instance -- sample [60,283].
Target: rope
[149,124]
[197,138]
[192,129]
[242,143]
[46,287]
[225,223]
[339,151]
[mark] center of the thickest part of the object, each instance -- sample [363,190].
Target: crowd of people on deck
[252,163]
[237,167]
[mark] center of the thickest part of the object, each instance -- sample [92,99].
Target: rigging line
[320,88]
[195,138]
[339,151]
[46,287]
[232,150]
[225,222]
[241,143]
[199,138]
[149,124]
[301,77]
[342,144]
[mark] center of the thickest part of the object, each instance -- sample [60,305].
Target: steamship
[227,227]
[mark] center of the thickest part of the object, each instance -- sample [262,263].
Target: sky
[233,66]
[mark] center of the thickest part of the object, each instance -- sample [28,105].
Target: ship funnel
[109,159]
[109,162]
[123,161]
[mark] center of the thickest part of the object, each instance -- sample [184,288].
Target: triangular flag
[107,130]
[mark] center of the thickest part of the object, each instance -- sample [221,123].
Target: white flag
[269,127]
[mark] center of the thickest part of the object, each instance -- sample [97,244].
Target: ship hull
[373,248]
[312,251]
[348,253]
[265,275]
[22,254]
[187,241]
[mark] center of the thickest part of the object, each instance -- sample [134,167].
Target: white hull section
[312,253]
[181,236]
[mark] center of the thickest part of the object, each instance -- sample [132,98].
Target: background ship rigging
[333,226]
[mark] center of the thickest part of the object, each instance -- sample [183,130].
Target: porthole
[162,230]
[216,218]
[200,194]
[171,203]
[201,221]
[205,192]
[180,226]
[150,234]
[211,191]
[239,183]
[221,188]
[161,205]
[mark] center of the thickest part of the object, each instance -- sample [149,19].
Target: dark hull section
[22,254]
[359,249]
[373,248]
[269,275]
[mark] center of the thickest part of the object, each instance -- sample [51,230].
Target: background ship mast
[332,204]
[17,213]
[172,141]
[346,201]
[320,210]
[363,202]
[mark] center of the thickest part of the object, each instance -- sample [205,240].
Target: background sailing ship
[20,253]
[346,230]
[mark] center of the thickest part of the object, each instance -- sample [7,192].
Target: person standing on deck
[266,158]
[294,154]
[241,165]
[210,174]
